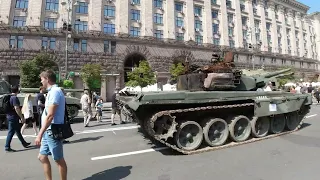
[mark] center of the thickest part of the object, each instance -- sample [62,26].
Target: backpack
[6,105]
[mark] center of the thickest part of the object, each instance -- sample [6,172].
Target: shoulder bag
[62,131]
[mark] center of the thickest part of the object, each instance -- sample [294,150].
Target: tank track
[208,148]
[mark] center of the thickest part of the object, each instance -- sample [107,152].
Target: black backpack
[6,105]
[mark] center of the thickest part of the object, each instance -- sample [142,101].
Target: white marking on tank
[114,133]
[128,153]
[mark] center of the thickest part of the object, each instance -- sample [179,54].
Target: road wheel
[240,128]
[260,126]
[216,132]
[189,136]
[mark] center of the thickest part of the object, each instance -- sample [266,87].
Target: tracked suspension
[151,123]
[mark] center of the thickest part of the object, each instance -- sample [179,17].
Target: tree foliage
[141,76]
[176,70]
[31,69]
[68,84]
[90,74]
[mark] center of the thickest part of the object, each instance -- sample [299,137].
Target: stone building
[120,33]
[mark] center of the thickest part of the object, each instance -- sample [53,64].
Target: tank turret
[222,76]
[252,83]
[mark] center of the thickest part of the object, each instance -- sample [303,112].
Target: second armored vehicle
[216,107]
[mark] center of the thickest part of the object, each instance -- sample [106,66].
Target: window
[215,28]
[244,20]
[180,37]
[109,28]
[158,3]
[198,24]
[231,43]
[158,18]
[230,31]
[135,14]
[109,11]
[179,21]
[50,23]
[268,26]
[84,45]
[82,8]
[106,45]
[230,18]
[21,4]
[81,26]
[136,1]
[213,1]
[52,5]
[134,31]
[199,39]
[48,42]
[19,21]
[16,42]
[229,4]
[214,14]
[179,7]
[113,46]
[198,10]
[77,45]
[158,34]
[216,41]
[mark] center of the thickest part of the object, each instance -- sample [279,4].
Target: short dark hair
[49,74]
[15,89]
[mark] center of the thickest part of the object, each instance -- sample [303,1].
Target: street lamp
[67,26]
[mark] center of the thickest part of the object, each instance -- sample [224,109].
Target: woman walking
[27,111]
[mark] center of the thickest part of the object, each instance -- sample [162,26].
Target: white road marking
[128,153]
[85,131]
[312,115]
[114,132]
[145,151]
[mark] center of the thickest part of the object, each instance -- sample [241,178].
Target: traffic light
[64,26]
[69,27]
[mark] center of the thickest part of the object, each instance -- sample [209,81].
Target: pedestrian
[54,113]
[86,108]
[99,106]
[41,99]
[27,111]
[13,115]
[115,107]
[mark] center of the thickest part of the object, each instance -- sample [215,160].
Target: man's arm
[48,119]
[16,105]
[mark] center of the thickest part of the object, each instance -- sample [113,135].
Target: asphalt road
[104,152]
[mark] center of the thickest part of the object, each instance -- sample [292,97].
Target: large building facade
[119,33]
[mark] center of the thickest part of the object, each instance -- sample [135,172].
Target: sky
[313,4]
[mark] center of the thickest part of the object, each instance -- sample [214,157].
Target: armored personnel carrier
[73,104]
[216,106]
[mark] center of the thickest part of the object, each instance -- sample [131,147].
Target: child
[99,105]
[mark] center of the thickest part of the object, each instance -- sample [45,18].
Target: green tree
[31,69]
[68,84]
[176,70]
[90,74]
[141,76]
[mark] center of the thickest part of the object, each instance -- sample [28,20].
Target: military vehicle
[216,106]
[73,104]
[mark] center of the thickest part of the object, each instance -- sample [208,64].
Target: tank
[73,104]
[216,106]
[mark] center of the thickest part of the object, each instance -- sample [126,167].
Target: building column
[301,38]
[169,19]
[293,38]
[264,45]
[207,23]
[284,38]
[223,18]
[274,34]
[238,28]
[251,26]
[103,90]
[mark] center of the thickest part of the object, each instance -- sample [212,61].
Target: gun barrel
[276,73]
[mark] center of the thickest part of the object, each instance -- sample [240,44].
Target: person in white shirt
[86,108]
[268,87]
[27,111]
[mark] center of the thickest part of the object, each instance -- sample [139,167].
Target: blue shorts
[50,146]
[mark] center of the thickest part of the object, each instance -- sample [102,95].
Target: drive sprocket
[164,126]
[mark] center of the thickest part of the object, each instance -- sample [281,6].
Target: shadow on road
[304,125]
[29,148]
[115,173]
[84,139]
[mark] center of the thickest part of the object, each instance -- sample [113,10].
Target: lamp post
[67,26]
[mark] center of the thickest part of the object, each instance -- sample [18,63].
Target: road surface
[105,152]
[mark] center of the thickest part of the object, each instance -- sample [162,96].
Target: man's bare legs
[46,166]
[62,166]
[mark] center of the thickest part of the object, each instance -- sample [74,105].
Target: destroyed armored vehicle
[216,106]
[73,104]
